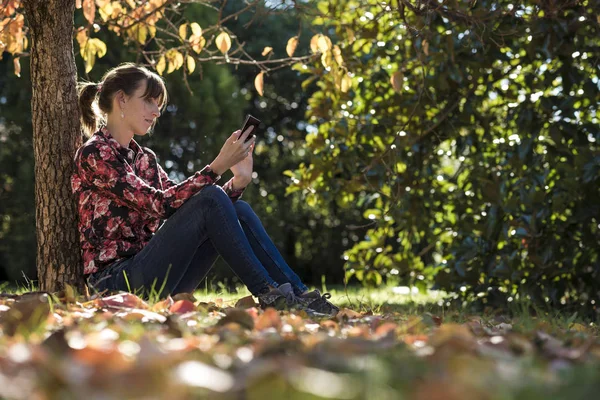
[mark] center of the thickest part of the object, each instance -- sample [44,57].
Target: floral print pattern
[122,195]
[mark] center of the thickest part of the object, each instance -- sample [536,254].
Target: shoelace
[322,300]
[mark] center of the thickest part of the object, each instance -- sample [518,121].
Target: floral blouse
[122,196]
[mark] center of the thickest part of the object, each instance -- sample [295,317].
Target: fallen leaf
[182,307]
[121,300]
[268,319]
[347,313]
[245,302]
[238,316]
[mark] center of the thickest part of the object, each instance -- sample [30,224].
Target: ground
[384,344]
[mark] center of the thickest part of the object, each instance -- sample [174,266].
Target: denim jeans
[186,246]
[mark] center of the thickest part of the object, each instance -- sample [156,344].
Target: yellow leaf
[131,4]
[346,83]
[191,64]
[198,44]
[183,31]
[174,59]
[161,65]
[326,59]
[105,8]
[350,34]
[89,10]
[266,51]
[425,46]
[323,43]
[259,82]
[314,47]
[93,48]
[337,54]
[397,80]
[81,37]
[140,33]
[223,42]
[291,46]
[196,30]
[17,65]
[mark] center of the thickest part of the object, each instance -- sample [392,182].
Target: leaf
[198,44]
[267,50]
[347,313]
[223,42]
[326,59]
[174,60]
[191,64]
[92,48]
[182,307]
[397,80]
[17,65]
[196,29]
[425,46]
[245,302]
[121,300]
[161,65]
[346,83]
[337,55]
[268,319]
[314,46]
[89,10]
[238,316]
[323,43]
[291,46]
[183,31]
[259,82]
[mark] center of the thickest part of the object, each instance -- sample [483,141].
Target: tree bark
[56,137]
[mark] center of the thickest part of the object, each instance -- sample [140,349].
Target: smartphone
[250,121]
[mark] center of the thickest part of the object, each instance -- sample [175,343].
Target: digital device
[250,121]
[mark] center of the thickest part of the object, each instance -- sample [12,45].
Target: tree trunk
[56,136]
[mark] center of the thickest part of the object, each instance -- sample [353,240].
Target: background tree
[468,134]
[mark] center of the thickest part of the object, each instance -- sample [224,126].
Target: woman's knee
[242,208]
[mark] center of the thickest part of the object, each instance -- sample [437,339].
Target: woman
[123,194]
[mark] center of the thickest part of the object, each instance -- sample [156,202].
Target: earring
[122,114]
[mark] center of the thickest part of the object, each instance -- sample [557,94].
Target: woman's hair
[95,99]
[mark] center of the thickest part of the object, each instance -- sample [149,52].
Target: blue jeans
[186,246]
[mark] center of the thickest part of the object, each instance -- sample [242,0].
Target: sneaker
[316,304]
[280,298]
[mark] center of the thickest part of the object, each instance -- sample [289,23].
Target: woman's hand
[233,151]
[242,171]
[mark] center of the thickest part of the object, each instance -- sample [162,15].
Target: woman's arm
[99,167]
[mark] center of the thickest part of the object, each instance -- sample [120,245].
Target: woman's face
[140,113]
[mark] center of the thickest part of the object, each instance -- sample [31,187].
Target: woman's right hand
[233,151]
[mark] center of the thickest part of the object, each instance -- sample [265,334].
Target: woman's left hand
[242,171]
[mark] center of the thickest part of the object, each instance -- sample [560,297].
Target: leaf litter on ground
[65,346]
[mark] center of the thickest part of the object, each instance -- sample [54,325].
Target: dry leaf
[17,65]
[347,313]
[223,42]
[337,55]
[267,50]
[196,29]
[268,319]
[182,307]
[259,82]
[346,83]
[246,302]
[161,65]
[323,43]
[291,46]
[89,10]
[121,300]
[314,46]
[397,80]
[183,31]
[425,46]
[191,64]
